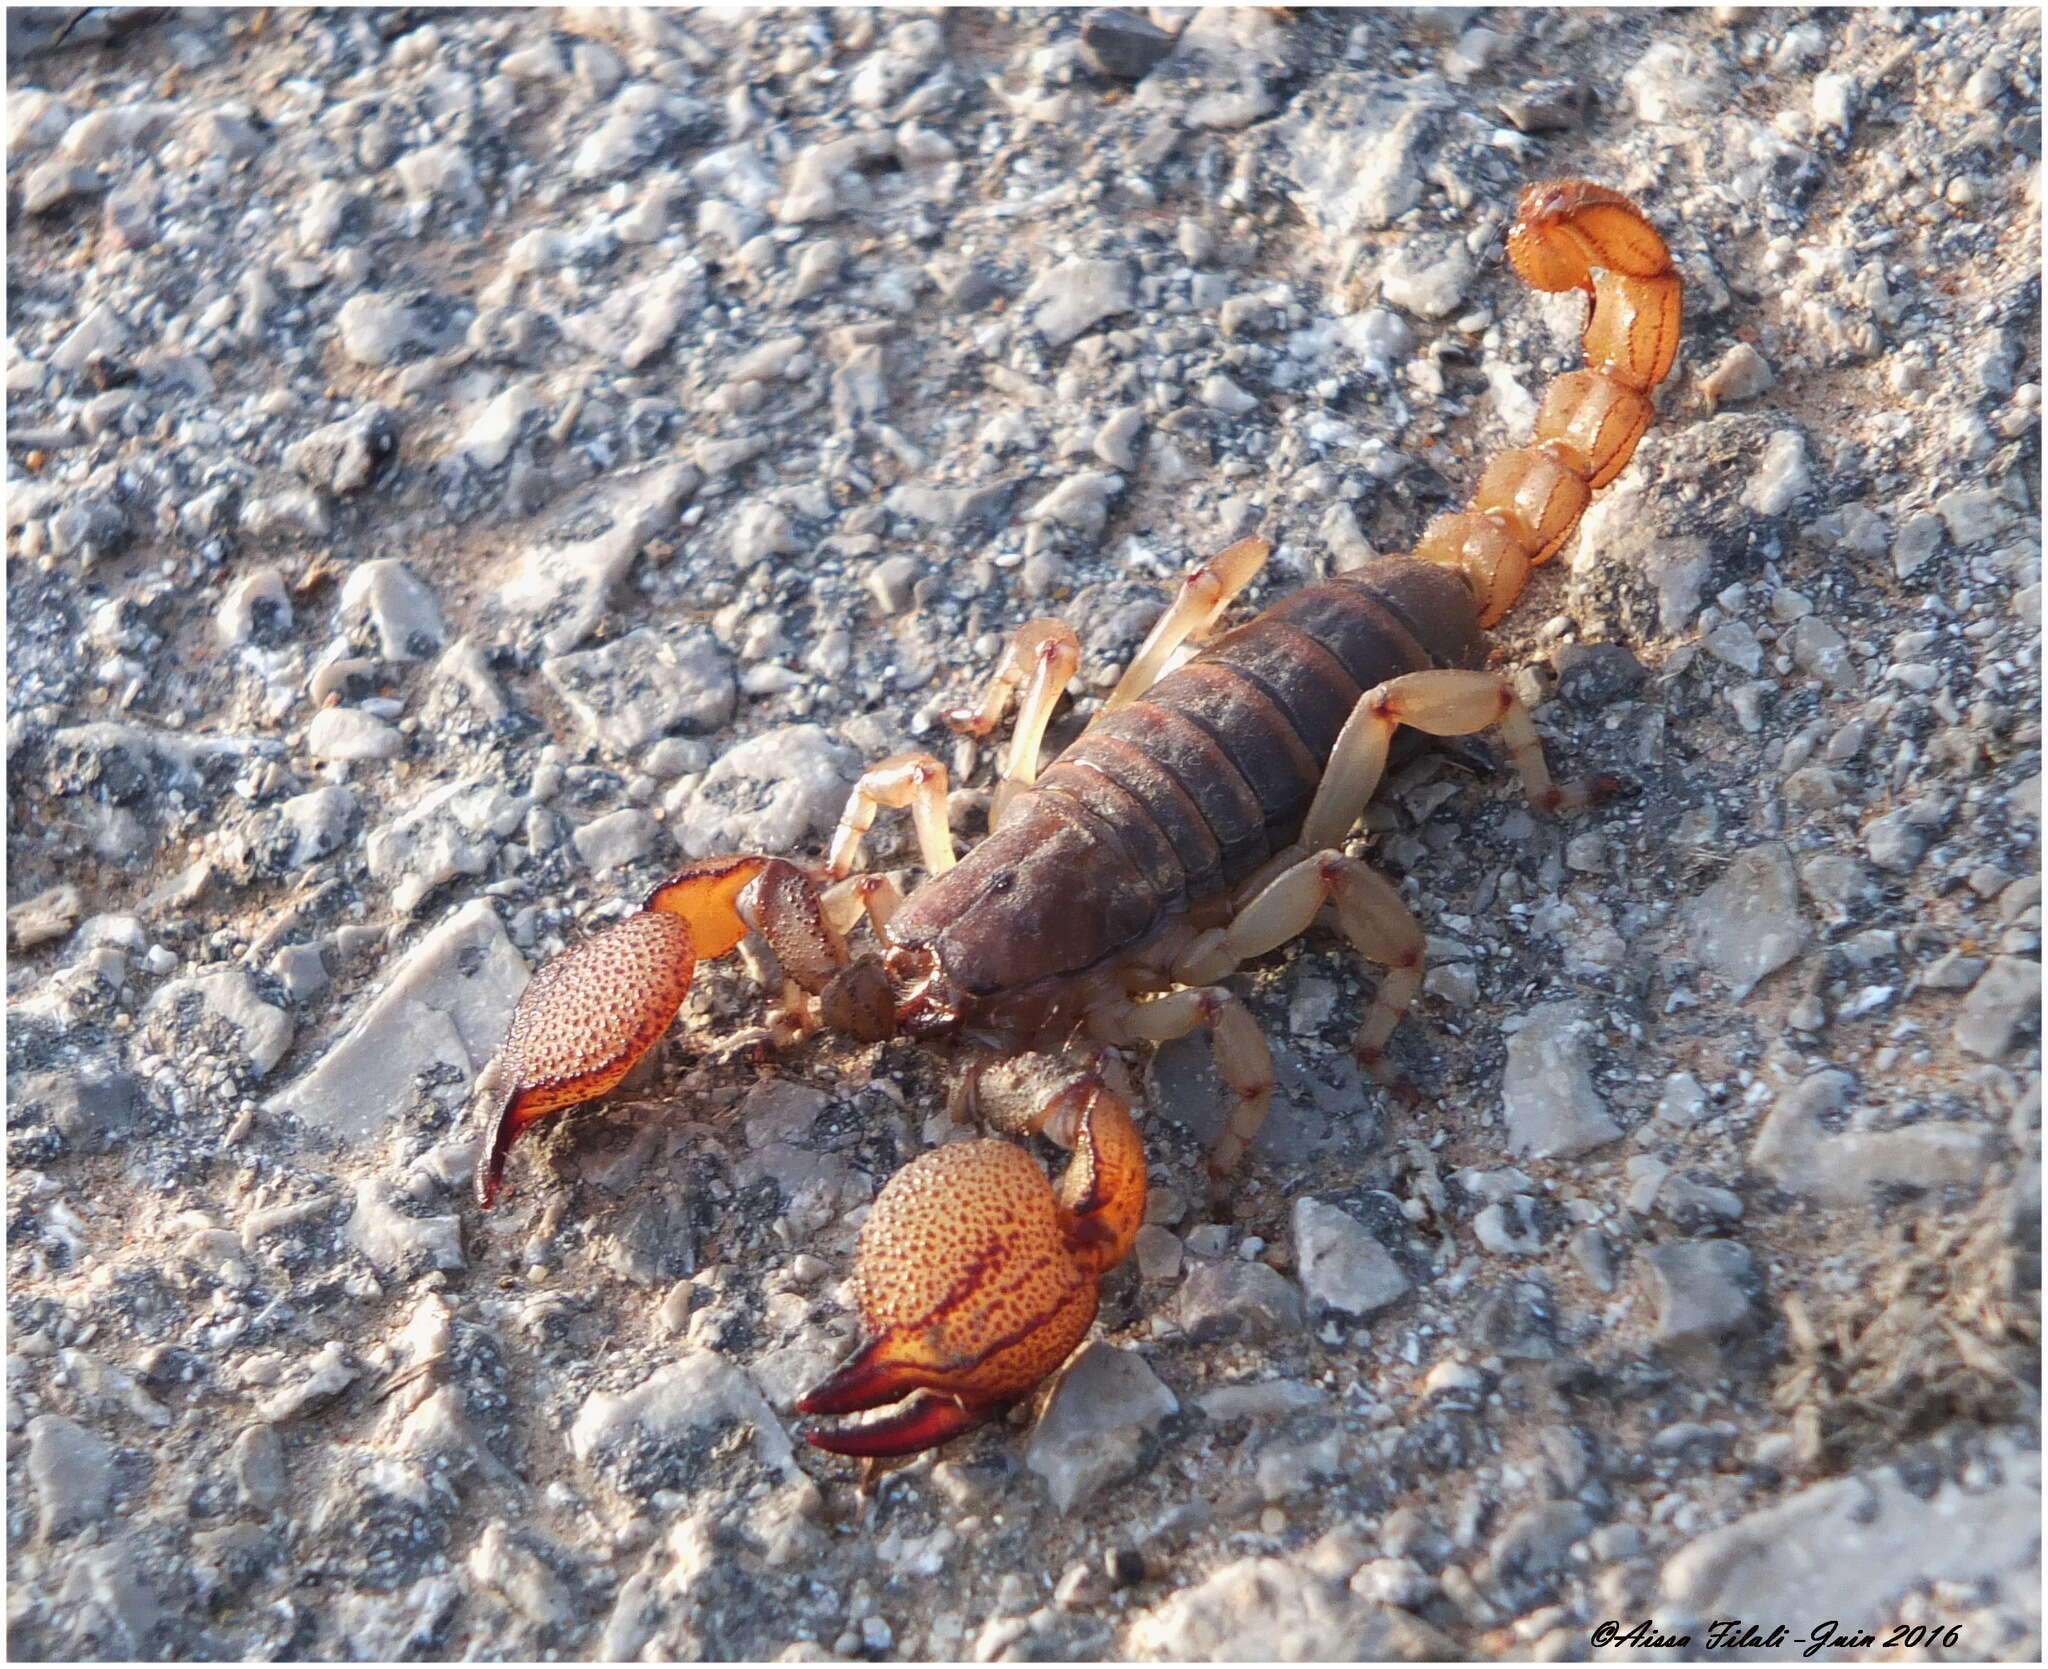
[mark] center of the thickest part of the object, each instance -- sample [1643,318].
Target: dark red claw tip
[490,1163]
[1606,786]
[923,1422]
[858,1384]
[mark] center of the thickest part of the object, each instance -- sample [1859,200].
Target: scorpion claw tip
[924,1421]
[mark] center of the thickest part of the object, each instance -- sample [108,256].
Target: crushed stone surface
[463,463]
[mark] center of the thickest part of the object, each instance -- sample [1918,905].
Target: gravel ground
[462,462]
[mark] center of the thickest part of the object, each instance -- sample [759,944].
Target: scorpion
[1197,822]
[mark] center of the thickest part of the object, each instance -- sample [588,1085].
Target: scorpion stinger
[1199,821]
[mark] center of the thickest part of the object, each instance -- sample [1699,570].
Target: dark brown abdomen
[1180,795]
[1244,730]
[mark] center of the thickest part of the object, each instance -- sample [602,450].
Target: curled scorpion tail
[1569,234]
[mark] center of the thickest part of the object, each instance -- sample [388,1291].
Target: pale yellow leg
[1053,663]
[1371,914]
[916,780]
[1020,661]
[875,895]
[1242,1059]
[1204,594]
[1443,703]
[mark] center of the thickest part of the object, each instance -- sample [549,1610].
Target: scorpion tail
[1570,234]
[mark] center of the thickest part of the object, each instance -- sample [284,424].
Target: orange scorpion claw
[976,1280]
[588,1015]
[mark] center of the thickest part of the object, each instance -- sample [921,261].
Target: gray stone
[400,1244]
[1508,1227]
[1121,44]
[2002,1001]
[402,611]
[1093,1430]
[71,1471]
[1535,1541]
[438,1018]
[228,996]
[1795,1149]
[1269,1397]
[1899,839]
[1343,1268]
[50,184]
[256,1463]
[1080,502]
[455,829]
[1918,538]
[106,1597]
[1782,475]
[1702,1288]
[349,733]
[1548,1100]
[563,582]
[1271,1610]
[614,841]
[1821,651]
[319,1380]
[316,824]
[1857,1546]
[92,1104]
[343,456]
[1429,275]
[621,1432]
[1748,924]
[1231,1298]
[1973,515]
[1358,157]
[45,918]
[769,794]
[100,333]
[257,607]
[380,330]
[1074,297]
[646,684]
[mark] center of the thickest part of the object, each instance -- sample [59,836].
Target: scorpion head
[904,991]
[928,1004]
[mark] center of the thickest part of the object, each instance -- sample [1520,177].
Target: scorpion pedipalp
[586,1017]
[977,1279]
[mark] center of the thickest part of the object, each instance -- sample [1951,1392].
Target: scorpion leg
[1204,594]
[875,895]
[1041,658]
[587,1016]
[976,1279]
[1372,916]
[1443,703]
[1243,1061]
[916,780]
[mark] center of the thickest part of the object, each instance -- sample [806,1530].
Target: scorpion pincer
[1196,823]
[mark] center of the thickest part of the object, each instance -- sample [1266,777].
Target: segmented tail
[1570,234]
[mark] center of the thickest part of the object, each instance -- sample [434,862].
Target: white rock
[229,995]
[442,1012]
[1074,297]
[1093,1430]
[1343,1267]
[563,583]
[350,733]
[1548,1100]
[768,794]
[1782,475]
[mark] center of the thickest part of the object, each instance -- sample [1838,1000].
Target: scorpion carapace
[1196,823]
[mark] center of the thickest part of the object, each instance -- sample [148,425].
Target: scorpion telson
[1195,824]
